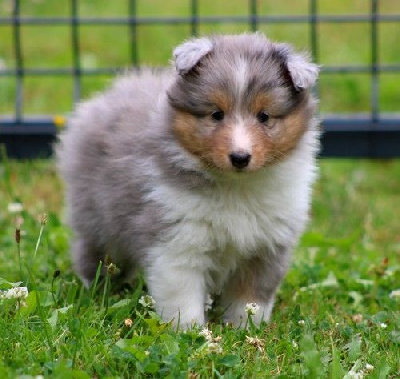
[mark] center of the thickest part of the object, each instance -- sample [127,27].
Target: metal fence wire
[375,134]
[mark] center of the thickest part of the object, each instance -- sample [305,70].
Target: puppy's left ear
[189,54]
[304,74]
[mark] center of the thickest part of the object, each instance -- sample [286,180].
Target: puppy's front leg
[255,281]
[179,292]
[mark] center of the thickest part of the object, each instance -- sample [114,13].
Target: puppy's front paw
[182,317]
[179,295]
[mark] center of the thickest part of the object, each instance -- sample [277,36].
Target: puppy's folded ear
[189,54]
[304,74]
[302,71]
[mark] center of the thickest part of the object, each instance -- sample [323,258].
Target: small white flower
[354,375]
[252,308]
[217,339]
[147,301]
[256,342]
[207,334]
[15,293]
[21,292]
[301,322]
[383,325]
[395,294]
[295,345]
[388,273]
[355,372]
[214,347]
[369,367]
[208,303]
[357,318]
[15,207]
[128,322]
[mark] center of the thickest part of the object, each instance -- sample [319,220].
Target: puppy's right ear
[189,54]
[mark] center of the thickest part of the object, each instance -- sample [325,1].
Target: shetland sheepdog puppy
[198,177]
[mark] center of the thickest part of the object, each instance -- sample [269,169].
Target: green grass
[334,312]
[109,46]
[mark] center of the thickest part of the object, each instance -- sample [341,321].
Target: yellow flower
[59,121]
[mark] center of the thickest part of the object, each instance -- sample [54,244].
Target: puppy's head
[240,102]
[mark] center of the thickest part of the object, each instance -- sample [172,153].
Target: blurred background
[52,53]
[344,280]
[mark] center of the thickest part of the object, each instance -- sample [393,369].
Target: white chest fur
[217,227]
[242,214]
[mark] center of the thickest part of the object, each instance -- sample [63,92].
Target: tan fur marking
[211,143]
[267,102]
[221,100]
[261,147]
[196,139]
[289,131]
[184,127]
[261,102]
[220,147]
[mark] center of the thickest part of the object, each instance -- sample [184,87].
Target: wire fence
[372,134]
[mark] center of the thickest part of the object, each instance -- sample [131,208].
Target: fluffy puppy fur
[200,177]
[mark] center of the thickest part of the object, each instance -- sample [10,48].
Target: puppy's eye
[218,115]
[262,117]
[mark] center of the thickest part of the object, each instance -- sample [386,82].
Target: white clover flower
[256,342]
[354,375]
[214,347]
[147,301]
[295,345]
[252,308]
[217,339]
[128,322]
[355,372]
[15,207]
[301,322]
[207,334]
[19,293]
[383,325]
[395,294]
[357,318]
[369,367]
[208,304]
[212,344]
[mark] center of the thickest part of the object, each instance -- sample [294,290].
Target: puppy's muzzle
[240,159]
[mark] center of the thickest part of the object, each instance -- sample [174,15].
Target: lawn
[336,312]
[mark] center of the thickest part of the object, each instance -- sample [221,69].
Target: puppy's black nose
[240,160]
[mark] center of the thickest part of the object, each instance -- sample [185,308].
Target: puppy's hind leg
[86,257]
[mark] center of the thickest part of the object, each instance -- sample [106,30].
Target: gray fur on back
[106,158]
